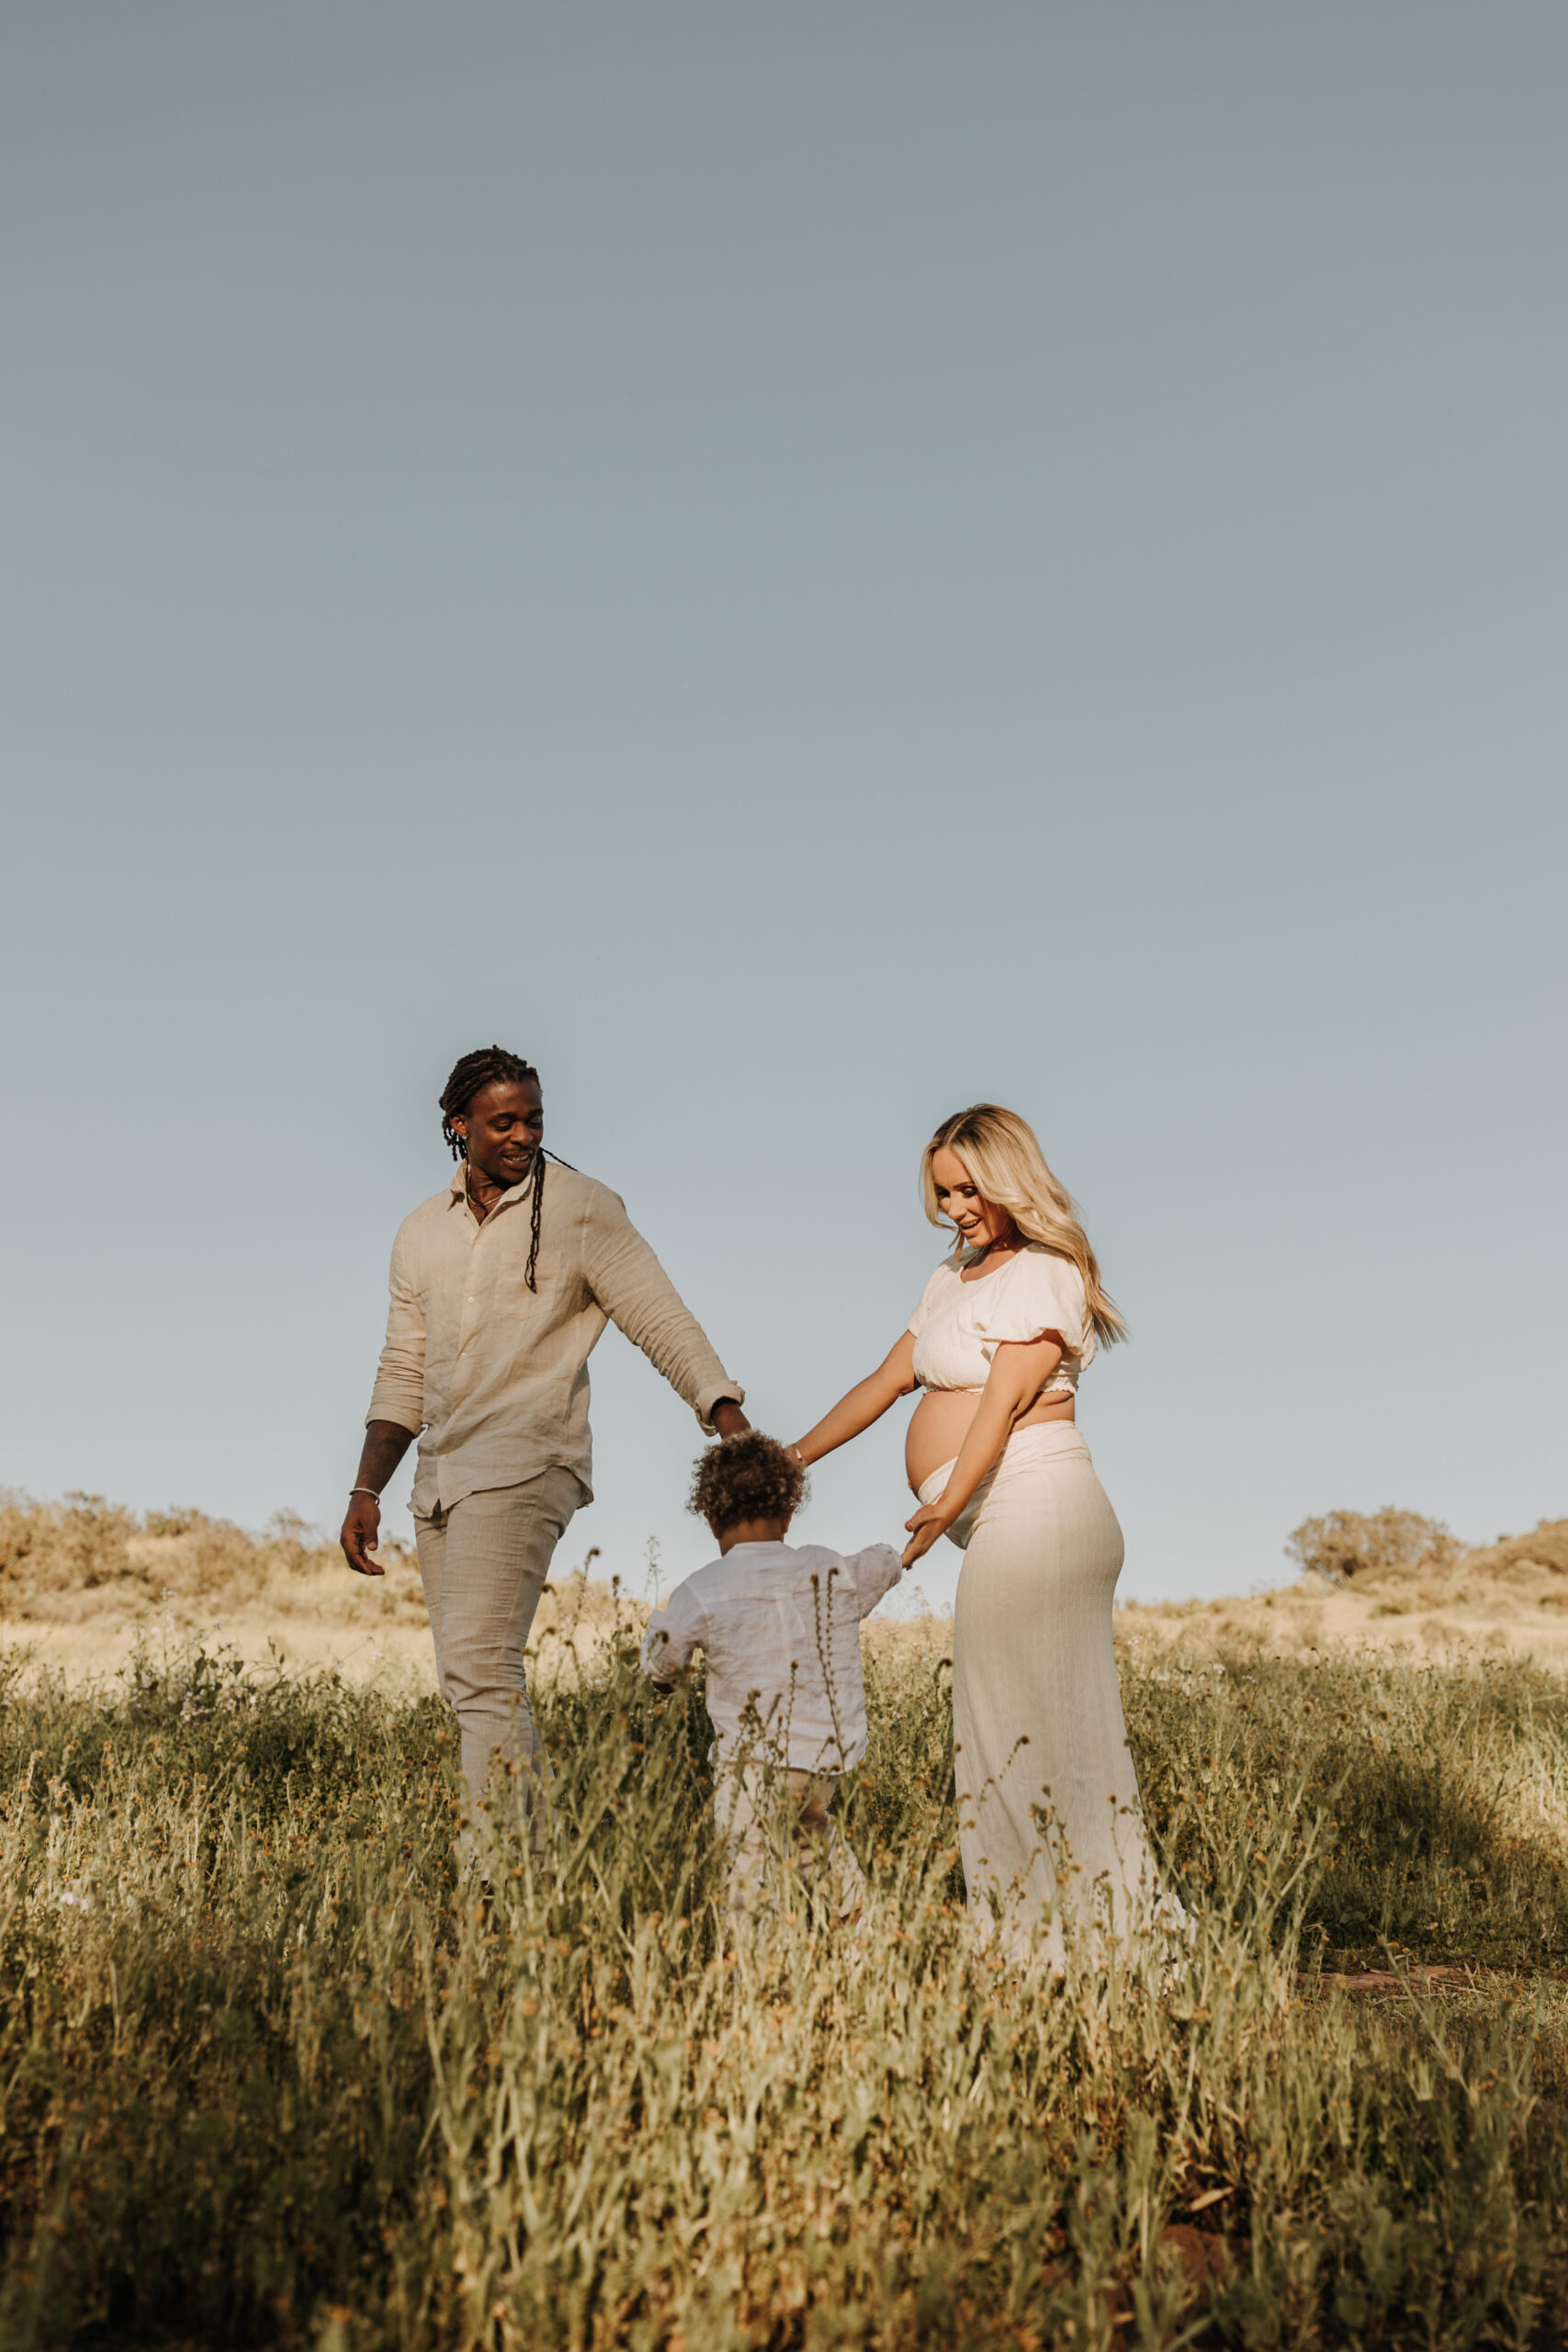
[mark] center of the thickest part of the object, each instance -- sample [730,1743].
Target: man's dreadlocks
[491,1065]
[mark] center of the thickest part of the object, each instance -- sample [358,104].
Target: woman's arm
[866,1402]
[1019,1370]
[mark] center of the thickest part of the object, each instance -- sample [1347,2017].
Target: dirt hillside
[1507,1596]
[83,1582]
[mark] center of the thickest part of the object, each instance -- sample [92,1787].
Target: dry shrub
[59,1547]
[210,1556]
[1345,1543]
[52,1555]
[1411,1563]
[158,1524]
[1545,1550]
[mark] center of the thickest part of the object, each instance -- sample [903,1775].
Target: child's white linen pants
[777,1821]
[484,1561]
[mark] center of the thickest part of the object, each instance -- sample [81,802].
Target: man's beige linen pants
[484,1564]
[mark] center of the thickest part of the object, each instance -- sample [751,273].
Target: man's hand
[386,1443]
[728,1421]
[928,1523]
[361,1531]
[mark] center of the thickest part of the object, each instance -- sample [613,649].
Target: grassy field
[270,2075]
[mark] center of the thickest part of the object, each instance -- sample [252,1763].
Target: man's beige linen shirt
[496,1374]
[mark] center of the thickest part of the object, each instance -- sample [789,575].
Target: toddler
[780,1626]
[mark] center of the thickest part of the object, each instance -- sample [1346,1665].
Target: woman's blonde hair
[1003,1157]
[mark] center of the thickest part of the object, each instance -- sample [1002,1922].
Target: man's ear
[784,1525]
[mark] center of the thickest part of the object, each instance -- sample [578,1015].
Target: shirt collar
[458,1190]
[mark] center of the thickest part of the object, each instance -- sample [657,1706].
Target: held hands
[929,1521]
[360,1533]
[728,1421]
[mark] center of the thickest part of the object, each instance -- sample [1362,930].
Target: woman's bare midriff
[939,1424]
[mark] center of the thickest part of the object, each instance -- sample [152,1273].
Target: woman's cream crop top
[958,1325]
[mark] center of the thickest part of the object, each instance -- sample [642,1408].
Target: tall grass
[269,2074]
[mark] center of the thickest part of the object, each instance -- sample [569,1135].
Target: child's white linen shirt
[776,1639]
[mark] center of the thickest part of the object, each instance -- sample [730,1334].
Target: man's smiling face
[503,1127]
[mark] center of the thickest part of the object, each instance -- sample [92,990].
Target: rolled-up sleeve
[399,1393]
[640,1300]
[674,1633]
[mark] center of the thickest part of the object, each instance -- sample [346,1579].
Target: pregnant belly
[939,1424]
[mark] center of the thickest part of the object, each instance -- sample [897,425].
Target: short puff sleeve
[922,1314]
[1040,1293]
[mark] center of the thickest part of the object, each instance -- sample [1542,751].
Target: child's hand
[929,1521]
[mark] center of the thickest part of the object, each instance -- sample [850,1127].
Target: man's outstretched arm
[385,1445]
[639,1297]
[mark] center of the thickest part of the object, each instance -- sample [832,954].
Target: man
[501,1287]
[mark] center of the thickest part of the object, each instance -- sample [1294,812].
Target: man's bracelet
[373,1492]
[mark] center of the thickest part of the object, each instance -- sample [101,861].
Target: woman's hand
[929,1521]
[1019,1369]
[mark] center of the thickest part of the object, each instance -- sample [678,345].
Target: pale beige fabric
[484,1561]
[1040,1742]
[495,1375]
[779,1824]
[958,1325]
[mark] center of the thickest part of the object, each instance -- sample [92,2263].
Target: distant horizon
[908,1599]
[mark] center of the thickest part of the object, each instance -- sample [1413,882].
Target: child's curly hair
[746,1477]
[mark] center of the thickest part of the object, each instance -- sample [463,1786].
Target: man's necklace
[482,1208]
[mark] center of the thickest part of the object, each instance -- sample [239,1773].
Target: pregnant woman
[1003,1329]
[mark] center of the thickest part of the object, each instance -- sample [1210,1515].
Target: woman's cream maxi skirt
[1049,1823]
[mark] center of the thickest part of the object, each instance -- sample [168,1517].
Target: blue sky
[802,567]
